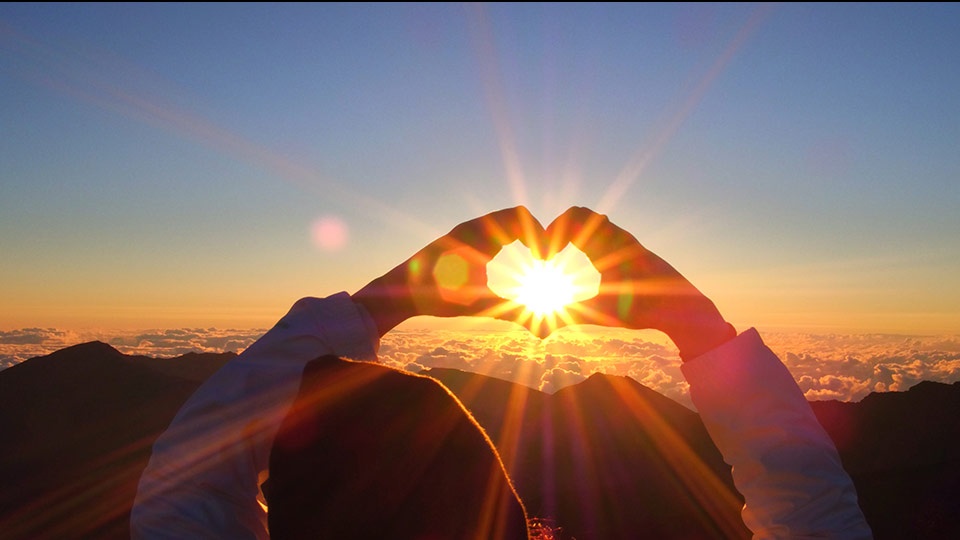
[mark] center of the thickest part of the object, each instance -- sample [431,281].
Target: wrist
[694,341]
[388,304]
[698,330]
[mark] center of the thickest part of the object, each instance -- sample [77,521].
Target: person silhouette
[367,451]
[291,394]
[204,474]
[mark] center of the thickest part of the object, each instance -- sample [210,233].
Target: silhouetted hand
[638,289]
[448,278]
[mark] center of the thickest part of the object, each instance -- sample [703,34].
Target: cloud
[23,344]
[179,341]
[848,367]
[557,378]
[564,359]
[838,387]
[828,366]
[19,345]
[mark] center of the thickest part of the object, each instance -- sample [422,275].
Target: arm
[784,464]
[638,289]
[203,477]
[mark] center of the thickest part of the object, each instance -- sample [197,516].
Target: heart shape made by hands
[543,287]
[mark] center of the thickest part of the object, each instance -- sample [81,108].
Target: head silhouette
[371,452]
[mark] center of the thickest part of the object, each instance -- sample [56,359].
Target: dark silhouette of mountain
[902,450]
[370,452]
[606,458]
[77,427]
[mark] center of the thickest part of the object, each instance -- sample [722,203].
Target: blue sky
[163,165]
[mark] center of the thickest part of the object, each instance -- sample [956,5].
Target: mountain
[902,450]
[77,429]
[607,458]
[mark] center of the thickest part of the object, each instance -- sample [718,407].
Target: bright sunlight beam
[544,288]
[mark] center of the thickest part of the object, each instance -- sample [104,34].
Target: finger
[488,234]
[581,227]
[501,308]
[608,246]
[507,226]
[542,328]
[591,311]
[558,234]
[511,311]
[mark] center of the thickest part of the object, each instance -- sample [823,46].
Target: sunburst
[544,288]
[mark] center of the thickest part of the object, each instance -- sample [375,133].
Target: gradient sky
[206,165]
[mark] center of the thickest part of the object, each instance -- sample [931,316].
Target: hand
[448,277]
[637,288]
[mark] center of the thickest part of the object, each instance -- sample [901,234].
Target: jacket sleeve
[203,477]
[784,463]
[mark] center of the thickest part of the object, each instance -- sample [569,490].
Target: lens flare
[329,233]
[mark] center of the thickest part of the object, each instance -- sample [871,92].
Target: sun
[543,288]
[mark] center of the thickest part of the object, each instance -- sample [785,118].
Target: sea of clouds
[844,367]
[19,345]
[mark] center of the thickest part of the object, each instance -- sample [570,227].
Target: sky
[205,165]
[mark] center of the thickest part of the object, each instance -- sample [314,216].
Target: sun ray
[572,411]
[541,290]
[702,483]
[637,163]
[484,43]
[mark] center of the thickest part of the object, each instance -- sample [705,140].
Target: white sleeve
[784,463]
[202,480]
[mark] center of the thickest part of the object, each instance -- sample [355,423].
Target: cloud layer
[842,367]
[19,345]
